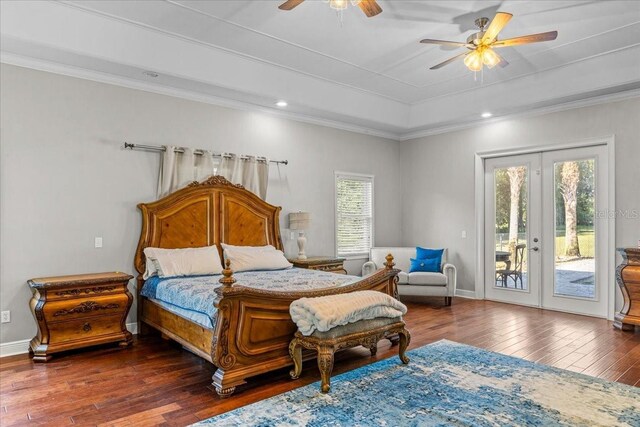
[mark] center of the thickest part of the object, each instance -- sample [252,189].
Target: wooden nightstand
[322,263]
[79,311]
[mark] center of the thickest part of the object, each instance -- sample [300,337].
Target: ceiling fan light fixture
[473,61]
[489,57]
[338,4]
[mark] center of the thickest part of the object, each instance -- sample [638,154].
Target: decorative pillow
[182,262]
[425,265]
[247,258]
[423,253]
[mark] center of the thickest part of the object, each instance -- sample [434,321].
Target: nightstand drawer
[81,329]
[84,292]
[62,310]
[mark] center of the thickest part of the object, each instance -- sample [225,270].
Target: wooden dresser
[79,311]
[628,277]
[331,264]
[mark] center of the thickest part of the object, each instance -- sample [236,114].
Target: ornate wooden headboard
[206,213]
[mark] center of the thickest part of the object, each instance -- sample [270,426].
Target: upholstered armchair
[421,284]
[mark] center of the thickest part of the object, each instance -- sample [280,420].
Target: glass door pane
[512,188]
[511,194]
[575,245]
[576,253]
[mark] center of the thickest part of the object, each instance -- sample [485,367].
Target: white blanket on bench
[325,313]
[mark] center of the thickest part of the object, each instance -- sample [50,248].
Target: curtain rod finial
[127,145]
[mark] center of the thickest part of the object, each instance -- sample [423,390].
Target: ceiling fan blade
[448,61]
[447,43]
[497,24]
[370,7]
[289,4]
[531,38]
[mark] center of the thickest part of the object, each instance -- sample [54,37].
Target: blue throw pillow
[423,253]
[425,265]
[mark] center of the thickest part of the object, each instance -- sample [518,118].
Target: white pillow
[151,269]
[182,262]
[247,258]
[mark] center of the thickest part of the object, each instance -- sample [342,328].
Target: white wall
[65,178]
[438,174]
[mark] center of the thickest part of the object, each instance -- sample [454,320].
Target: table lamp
[299,221]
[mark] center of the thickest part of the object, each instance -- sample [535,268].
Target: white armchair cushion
[427,279]
[403,278]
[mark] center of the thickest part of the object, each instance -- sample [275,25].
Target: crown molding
[71,71]
[96,76]
[571,105]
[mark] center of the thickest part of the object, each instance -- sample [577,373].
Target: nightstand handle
[86,327]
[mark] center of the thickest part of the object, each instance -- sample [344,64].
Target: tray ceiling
[369,72]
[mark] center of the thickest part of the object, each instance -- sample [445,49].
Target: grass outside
[586,241]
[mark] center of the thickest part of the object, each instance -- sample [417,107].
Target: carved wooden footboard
[253,327]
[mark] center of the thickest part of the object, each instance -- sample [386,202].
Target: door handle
[535,249]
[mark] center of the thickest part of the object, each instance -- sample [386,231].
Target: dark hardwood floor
[155,382]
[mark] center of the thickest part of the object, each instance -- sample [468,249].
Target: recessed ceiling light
[486,115]
[281,103]
[150,74]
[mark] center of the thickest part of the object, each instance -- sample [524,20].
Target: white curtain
[177,170]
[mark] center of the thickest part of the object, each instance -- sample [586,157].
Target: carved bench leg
[405,339]
[373,348]
[325,364]
[295,351]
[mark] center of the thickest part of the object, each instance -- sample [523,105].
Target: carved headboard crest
[214,180]
[208,213]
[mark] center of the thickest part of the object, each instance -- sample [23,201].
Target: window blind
[354,214]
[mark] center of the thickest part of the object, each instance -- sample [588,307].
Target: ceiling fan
[482,43]
[369,7]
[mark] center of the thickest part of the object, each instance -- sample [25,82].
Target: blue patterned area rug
[448,384]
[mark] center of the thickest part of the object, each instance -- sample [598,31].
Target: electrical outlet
[6,316]
[98,242]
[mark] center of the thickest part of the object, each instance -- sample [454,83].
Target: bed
[250,327]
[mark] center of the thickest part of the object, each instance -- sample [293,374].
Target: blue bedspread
[197,293]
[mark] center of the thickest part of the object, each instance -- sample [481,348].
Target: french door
[546,240]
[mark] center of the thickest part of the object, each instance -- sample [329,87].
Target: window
[354,214]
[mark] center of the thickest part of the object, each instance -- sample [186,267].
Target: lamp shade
[299,220]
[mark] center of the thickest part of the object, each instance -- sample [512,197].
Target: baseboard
[133,327]
[463,293]
[22,346]
[13,348]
